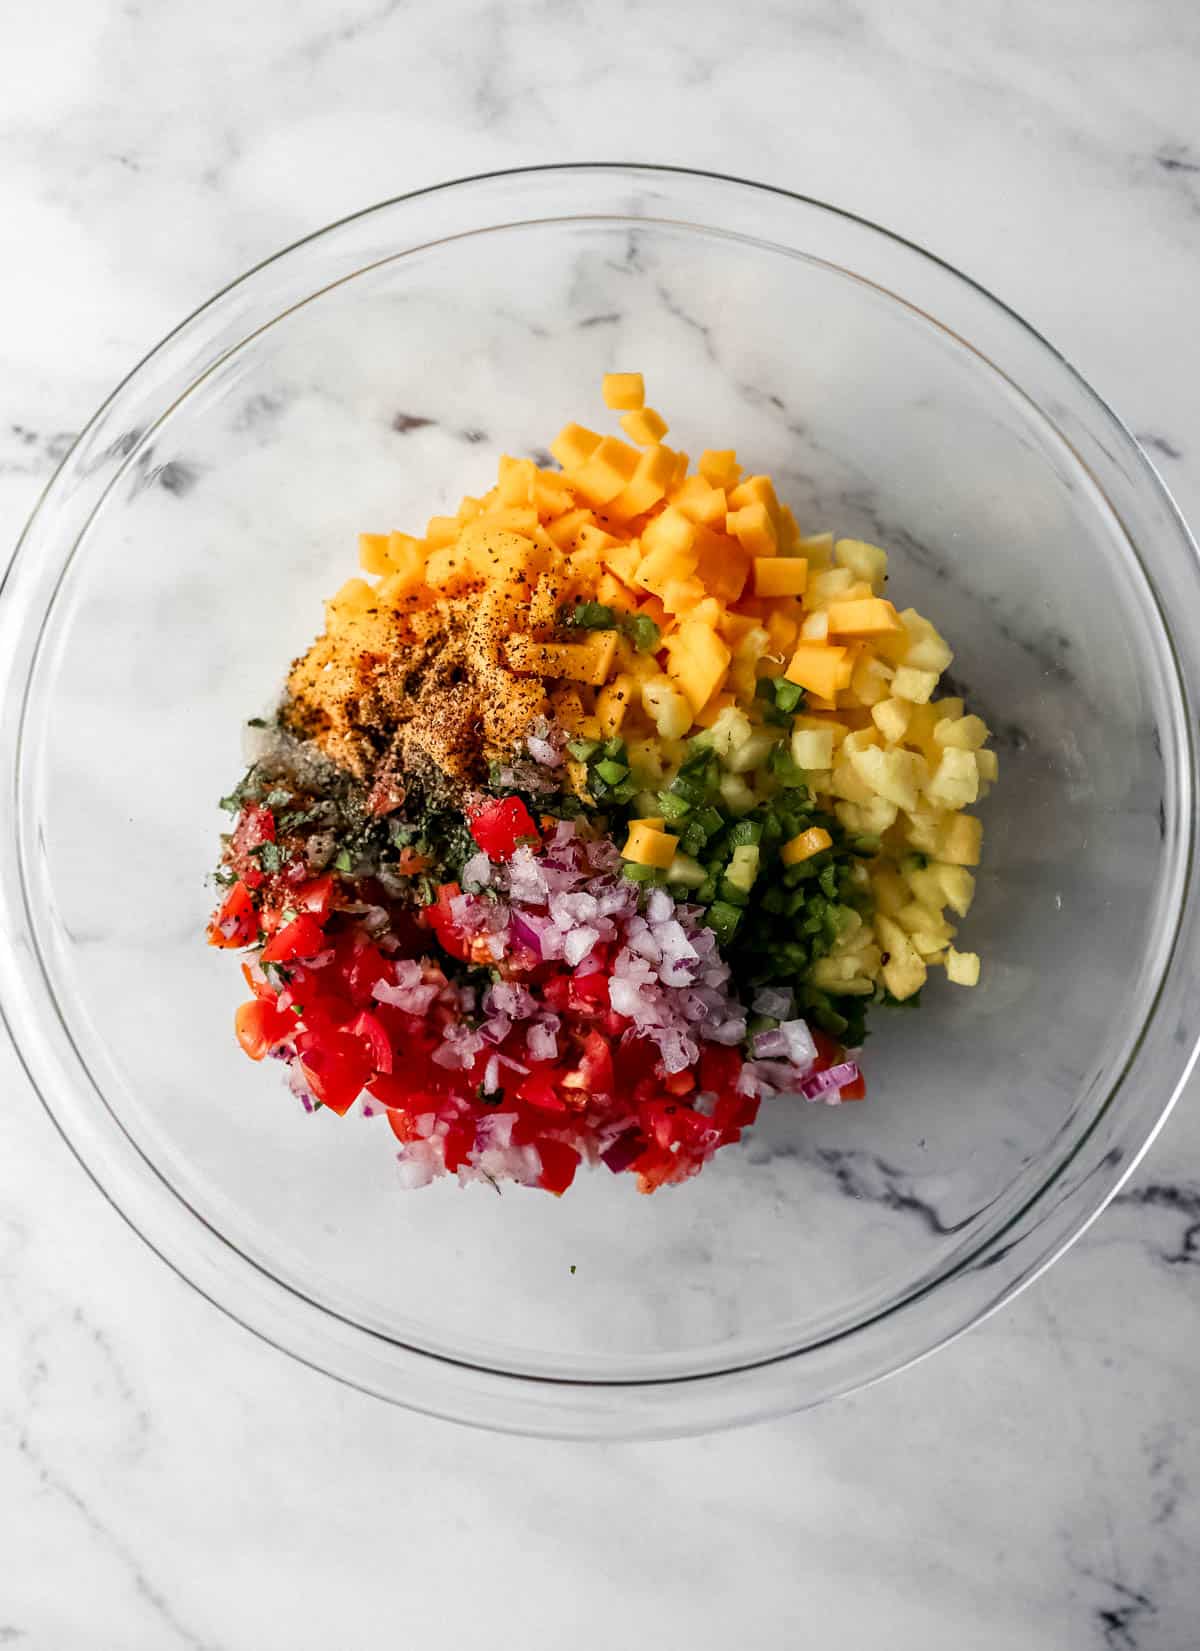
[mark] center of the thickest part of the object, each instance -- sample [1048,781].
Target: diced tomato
[559,1163]
[658,1120]
[315,897]
[441,920]
[500,825]
[260,1026]
[589,993]
[855,1090]
[403,1124]
[458,1142]
[336,1069]
[255,825]
[365,1026]
[303,937]
[829,1051]
[399,1093]
[679,1083]
[596,1066]
[653,1168]
[363,967]
[236,921]
[719,1067]
[539,1089]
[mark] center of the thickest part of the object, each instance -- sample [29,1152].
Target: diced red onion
[820,1084]
[542,751]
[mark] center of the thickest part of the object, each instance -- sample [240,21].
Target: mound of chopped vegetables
[601,817]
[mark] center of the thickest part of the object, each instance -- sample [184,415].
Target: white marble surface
[167,1480]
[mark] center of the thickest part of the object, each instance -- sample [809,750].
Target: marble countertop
[167,1480]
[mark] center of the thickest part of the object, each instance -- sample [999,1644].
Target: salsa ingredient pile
[600,813]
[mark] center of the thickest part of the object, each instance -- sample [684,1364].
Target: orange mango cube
[863,617]
[816,668]
[780,576]
[623,391]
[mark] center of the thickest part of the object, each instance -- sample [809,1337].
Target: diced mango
[373,553]
[515,480]
[654,474]
[612,703]
[722,564]
[644,426]
[574,445]
[756,490]
[609,468]
[701,502]
[869,617]
[720,467]
[646,845]
[449,570]
[780,576]
[752,527]
[789,533]
[564,530]
[783,630]
[805,845]
[816,668]
[623,391]
[698,661]
[587,662]
[666,565]
[441,531]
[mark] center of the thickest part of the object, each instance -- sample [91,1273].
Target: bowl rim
[584,1406]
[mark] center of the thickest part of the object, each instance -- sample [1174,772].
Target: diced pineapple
[846,782]
[684,872]
[891,718]
[815,627]
[958,840]
[736,794]
[957,886]
[872,678]
[864,560]
[988,765]
[968,733]
[911,684]
[827,587]
[668,709]
[753,752]
[955,782]
[904,972]
[730,730]
[926,650]
[812,748]
[817,550]
[962,967]
[895,774]
[891,893]
[871,818]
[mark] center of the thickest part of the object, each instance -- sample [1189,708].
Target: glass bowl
[367,378]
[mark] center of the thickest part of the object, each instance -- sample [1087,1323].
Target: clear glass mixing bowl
[367,378]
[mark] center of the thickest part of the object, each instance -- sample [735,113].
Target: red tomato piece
[458,1142]
[260,1026]
[539,1089]
[719,1067]
[315,897]
[336,1070]
[236,921]
[379,1048]
[654,1168]
[559,1163]
[441,920]
[303,937]
[855,1090]
[596,1066]
[500,825]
